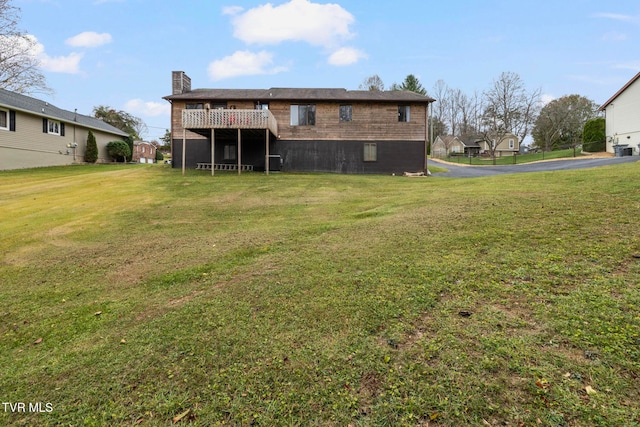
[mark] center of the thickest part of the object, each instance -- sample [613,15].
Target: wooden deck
[229,119]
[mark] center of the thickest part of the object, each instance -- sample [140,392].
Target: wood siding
[29,146]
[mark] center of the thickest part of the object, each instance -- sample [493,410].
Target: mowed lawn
[131,295]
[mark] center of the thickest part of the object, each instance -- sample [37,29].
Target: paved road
[456,171]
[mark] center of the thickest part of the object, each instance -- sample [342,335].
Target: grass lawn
[132,295]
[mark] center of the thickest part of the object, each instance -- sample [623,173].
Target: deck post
[213,150]
[184,149]
[266,156]
[239,152]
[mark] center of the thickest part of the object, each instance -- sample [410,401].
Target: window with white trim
[54,127]
[512,144]
[4,119]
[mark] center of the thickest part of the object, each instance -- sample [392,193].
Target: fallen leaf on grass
[123,341]
[38,341]
[181,416]
[590,390]
[543,384]
[97,313]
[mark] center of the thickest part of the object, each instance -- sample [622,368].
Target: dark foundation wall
[310,156]
[348,156]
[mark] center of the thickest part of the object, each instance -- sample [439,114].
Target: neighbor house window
[4,119]
[52,127]
[511,144]
[345,113]
[230,152]
[303,115]
[404,113]
[370,152]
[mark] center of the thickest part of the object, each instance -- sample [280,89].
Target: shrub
[159,156]
[118,149]
[91,152]
[594,135]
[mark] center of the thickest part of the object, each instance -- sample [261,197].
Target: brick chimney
[181,82]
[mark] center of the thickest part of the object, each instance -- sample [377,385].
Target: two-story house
[327,130]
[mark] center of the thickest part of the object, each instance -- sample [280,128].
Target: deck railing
[229,119]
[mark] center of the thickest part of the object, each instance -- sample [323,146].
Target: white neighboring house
[34,133]
[622,114]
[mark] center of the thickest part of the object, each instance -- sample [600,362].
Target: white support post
[239,152]
[266,157]
[213,151]
[184,150]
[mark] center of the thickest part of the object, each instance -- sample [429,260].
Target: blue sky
[121,52]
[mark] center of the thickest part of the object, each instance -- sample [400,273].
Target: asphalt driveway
[456,171]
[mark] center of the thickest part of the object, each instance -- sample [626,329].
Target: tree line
[508,106]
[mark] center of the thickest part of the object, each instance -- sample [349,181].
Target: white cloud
[546,98]
[346,56]
[243,63]
[619,17]
[232,10]
[614,36]
[298,20]
[69,64]
[633,65]
[89,39]
[148,108]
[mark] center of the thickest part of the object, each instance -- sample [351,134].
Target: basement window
[230,152]
[370,152]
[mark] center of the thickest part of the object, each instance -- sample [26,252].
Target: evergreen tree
[91,152]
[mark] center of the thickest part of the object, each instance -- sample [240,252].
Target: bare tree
[372,83]
[19,67]
[440,107]
[509,108]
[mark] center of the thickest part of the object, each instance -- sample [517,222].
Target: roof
[610,100]
[299,94]
[44,109]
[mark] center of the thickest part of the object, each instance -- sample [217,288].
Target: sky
[120,53]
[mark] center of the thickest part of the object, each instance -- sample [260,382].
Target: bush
[91,152]
[594,135]
[159,156]
[118,149]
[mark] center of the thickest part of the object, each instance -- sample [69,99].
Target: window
[345,113]
[197,106]
[404,113]
[511,144]
[303,115]
[52,127]
[370,152]
[230,152]
[260,106]
[4,119]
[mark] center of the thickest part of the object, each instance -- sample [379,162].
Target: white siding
[623,119]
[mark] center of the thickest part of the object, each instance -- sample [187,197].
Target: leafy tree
[373,83]
[19,68]
[560,122]
[411,84]
[166,139]
[159,156]
[91,152]
[118,149]
[509,108]
[132,125]
[594,135]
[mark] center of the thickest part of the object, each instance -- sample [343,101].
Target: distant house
[144,152]
[447,145]
[34,133]
[508,145]
[300,129]
[622,114]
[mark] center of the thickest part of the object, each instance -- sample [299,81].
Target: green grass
[520,158]
[316,299]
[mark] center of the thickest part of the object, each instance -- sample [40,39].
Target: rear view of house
[325,130]
[622,114]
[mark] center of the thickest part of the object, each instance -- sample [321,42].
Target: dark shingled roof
[27,104]
[299,94]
